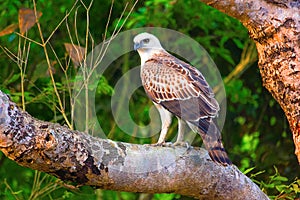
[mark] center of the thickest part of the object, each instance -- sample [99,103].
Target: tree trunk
[274,25]
[86,160]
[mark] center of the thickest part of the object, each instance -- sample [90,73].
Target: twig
[61,107]
[59,24]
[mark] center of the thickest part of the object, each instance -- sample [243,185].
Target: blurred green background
[256,133]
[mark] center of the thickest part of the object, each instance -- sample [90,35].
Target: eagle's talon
[158,144]
[168,144]
[162,144]
[182,144]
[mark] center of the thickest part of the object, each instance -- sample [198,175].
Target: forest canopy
[39,62]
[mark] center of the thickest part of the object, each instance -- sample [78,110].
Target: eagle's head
[147,45]
[145,41]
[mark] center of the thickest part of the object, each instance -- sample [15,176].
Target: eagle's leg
[166,119]
[181,128]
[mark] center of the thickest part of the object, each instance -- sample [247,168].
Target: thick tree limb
[86,160]
[274,25]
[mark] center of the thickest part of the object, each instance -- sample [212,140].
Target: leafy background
[256,133]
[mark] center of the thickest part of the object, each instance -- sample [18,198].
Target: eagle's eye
[146,41]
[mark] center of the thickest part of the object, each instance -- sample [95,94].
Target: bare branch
[86,160]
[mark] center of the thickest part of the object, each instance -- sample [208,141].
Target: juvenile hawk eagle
[177,88]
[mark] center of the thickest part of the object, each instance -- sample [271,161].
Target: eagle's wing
[183,91]
[179,88]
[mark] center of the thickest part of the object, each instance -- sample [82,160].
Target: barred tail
[212,141]
[218,153]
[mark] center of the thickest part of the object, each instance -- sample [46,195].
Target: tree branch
[86,160]
[275,28]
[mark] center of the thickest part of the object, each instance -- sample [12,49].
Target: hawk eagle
[177,88]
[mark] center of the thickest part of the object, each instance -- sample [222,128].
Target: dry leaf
[9,29]
[27,19]
[75,52]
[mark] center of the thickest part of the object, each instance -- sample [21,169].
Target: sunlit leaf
[248,170]
[295,187]
[280,178]
[238,43]
[27,19]
[281,188]
[241,120]
[8,30]
[75,52]
[273,121]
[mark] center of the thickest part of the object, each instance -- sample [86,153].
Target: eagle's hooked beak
[137,46]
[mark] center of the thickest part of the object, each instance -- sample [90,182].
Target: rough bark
[274,25]
[86,160]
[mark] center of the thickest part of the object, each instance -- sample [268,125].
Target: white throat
[147,54]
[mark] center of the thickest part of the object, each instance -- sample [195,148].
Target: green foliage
[240,95]
[277,184]
[248,145]
[103,87]
[256,133]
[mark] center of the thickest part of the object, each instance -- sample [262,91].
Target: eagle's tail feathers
[211,137]
[218,154]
